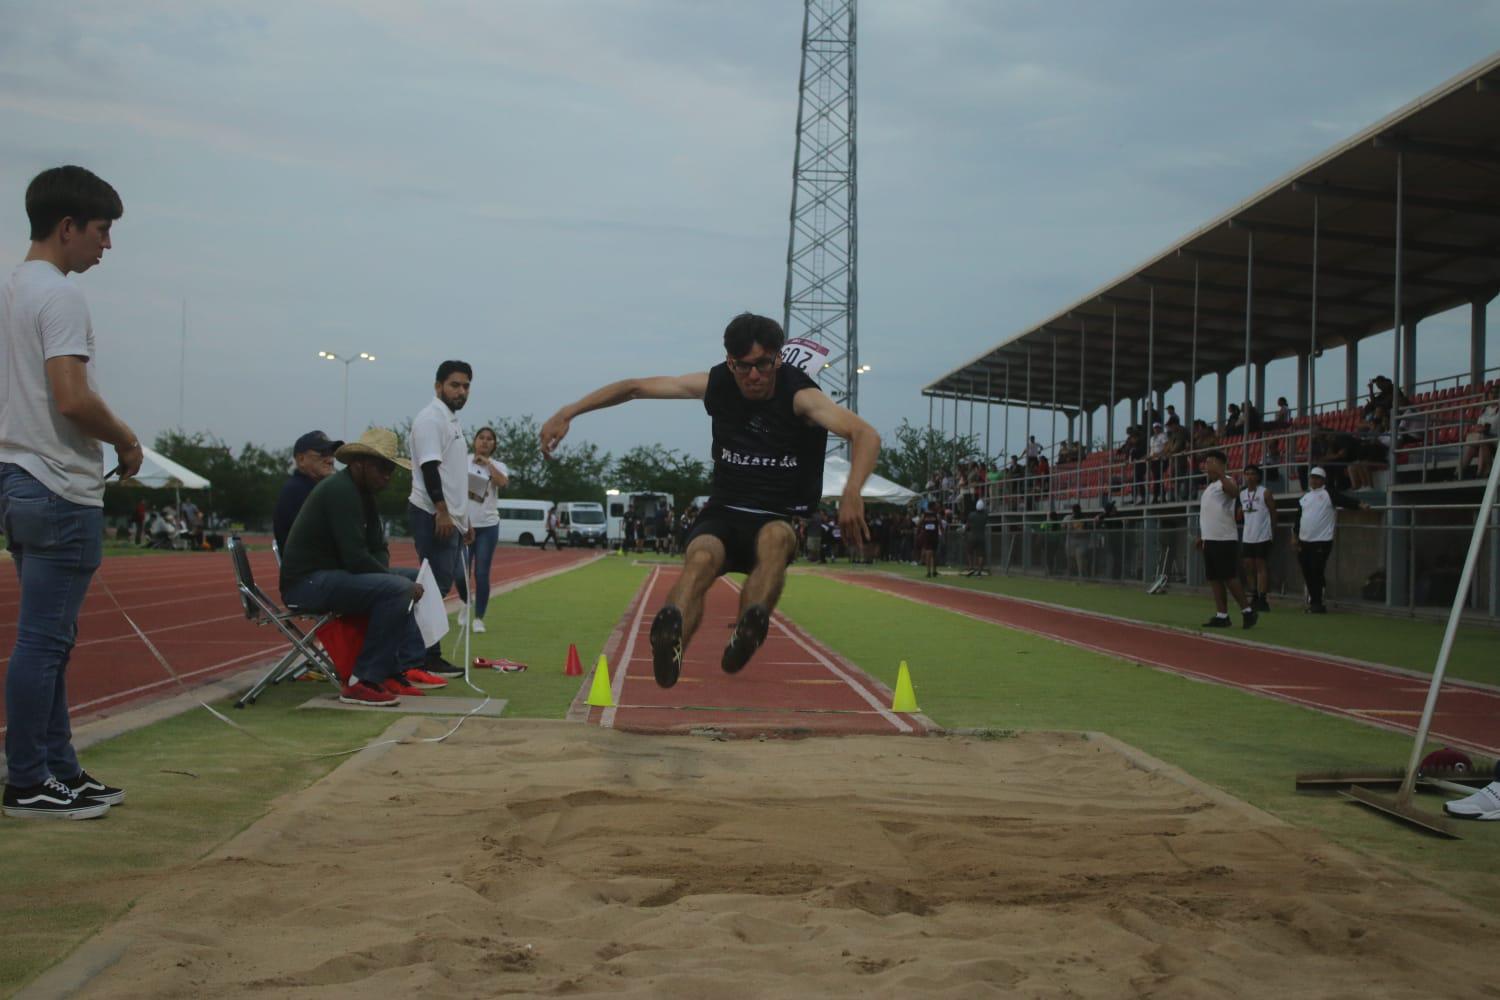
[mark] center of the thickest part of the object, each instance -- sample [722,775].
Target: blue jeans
[481,556]
[393,642]
[442,556]
[56,545]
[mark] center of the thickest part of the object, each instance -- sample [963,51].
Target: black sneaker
[1249,618]
[89,787]
[441,667]
[1316,609]
[1262,605]
[50,800]
[1218,622]
[666,645]
[747,637]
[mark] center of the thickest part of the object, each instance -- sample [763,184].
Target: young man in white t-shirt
[1218,539]
[438,509]
[52,421]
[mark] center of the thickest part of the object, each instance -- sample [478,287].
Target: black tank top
[765,456]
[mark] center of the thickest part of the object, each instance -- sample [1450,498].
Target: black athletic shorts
[1219,560]
[1255,550]
[737,529]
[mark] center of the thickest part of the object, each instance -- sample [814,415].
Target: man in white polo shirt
[52,420]
[438,508]
[1218,538]
[1317,515]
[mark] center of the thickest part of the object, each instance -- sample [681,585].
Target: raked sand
[546,859]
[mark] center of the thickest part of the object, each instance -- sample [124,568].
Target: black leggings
[1314,559]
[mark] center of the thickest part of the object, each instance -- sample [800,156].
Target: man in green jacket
[337,560]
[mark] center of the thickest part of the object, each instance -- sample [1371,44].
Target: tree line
[246,481]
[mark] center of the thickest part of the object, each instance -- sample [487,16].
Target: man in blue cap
[313,456]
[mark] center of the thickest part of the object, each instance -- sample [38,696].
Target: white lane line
[895,720]
[617,682]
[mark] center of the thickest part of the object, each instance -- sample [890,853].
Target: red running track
[1467,716]
[793,686]
[187,604]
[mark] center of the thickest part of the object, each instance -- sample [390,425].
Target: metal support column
[1150,356]
[1260,387]
[1478,314]
[1351,374]
[1006,432]
[1223,387]
[1309,403]
[989,405]
[929,440]
[1190,397]
[1408,381]
[1249,307]
[1302,367]
[1397,543]
[1052,444]
[1109,414]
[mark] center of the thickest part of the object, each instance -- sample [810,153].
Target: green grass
[64,881]
[972,674]
[1400,642]
[535,624]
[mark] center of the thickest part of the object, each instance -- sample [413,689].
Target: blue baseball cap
[316,441]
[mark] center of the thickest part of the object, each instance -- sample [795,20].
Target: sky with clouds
[565,193]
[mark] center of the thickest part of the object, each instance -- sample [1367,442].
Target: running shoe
[369,695]
[666,645]
[1249,618]
[478,626]
[397,685]
[90,787]
[1218,622]
[1262,605]
[419,678]
[438,665]
[748,635]
[1483,804]
[50,800]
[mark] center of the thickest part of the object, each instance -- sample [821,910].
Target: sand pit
[555,859]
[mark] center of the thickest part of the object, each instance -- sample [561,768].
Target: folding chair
[260,608]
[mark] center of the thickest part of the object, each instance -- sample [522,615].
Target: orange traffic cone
[574,667]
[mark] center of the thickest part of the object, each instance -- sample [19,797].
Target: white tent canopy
[878,488]
[158,471]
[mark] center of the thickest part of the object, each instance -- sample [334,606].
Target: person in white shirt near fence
[1260,527]
[1219,541]
[1317,516]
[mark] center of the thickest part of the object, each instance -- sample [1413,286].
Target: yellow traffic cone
[905,699]
[599,694]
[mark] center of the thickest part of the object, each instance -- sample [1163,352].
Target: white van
[641,502]
[523,521]
[581,523]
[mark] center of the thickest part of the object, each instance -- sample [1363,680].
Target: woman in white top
[1259,508]
[487,476]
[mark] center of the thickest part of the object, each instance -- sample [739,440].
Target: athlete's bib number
[809,355]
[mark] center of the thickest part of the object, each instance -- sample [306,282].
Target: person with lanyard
[770,433]
[1259,507]
[437,511]
[487,476]
[929,536]
[1218,539]
[1317,516]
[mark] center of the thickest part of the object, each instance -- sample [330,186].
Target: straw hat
[377,442]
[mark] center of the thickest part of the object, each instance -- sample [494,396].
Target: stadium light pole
[347,361]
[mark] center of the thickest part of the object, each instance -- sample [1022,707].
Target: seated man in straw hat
[337,559]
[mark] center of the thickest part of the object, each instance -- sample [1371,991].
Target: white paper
[432,619]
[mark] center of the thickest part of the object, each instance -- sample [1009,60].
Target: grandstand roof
[1450,141]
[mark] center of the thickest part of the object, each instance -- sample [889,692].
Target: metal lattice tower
[821,287]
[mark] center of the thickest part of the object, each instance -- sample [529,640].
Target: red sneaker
[365,693]
[397,685]
[419,678]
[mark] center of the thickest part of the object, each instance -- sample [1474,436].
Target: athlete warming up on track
[770,433]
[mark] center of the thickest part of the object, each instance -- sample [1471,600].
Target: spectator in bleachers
[1204,436]
[1234,422]
[1479,442]
[1178,462]
[1173,420]
[1283,413]
[1134,450]
[1106,534]
[1312,533]
[312,461]
[1158,461]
